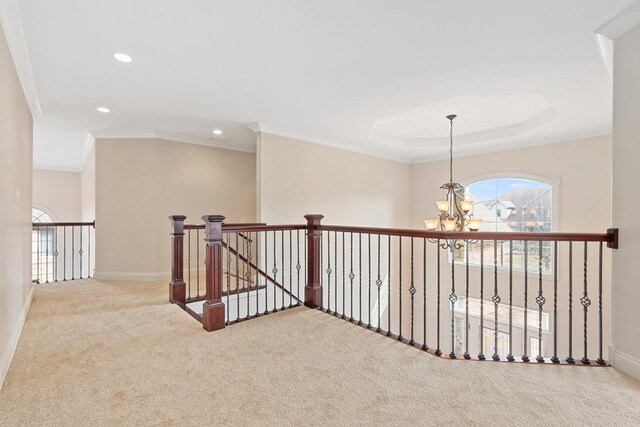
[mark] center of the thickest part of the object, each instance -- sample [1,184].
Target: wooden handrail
[224,226]
[610,237]
[64,224]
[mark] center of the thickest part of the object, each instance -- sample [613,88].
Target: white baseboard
[627,364]
[10,349]
[133,277]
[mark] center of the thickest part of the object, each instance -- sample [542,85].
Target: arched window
[512,204]
[38,215]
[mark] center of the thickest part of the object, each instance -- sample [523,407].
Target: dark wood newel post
[213,308]
[313,289]
[177,287]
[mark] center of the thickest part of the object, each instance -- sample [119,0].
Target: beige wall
[297,178]
[58,194]
[140,182]
[88,187]
[583,170]
[626,174]
[15,213]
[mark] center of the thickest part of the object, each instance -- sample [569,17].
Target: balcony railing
[523,297]
[62,251]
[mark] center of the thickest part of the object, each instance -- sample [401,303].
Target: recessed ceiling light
[123,57]
[217,132]
[103,109]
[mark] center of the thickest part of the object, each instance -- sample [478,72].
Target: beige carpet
[115,353]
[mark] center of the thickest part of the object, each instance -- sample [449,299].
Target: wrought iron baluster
[481,355]
[290,269]
[452,299]
[343,316]
[335,276]
[389,287]
[369,259]
[247,248]
[329,271]
[424,294]
[378,285]
[275,273]
[400,337]
[351,276]
[64,254]
[46,262]
[570,359]
[228,307]
[198,263]
[412,291]
[360,278]
[600,360]
[237,277]
[189,262]
[525,356]
[510,357]
[540,300]
[73,253]
[80,252]
[586,302]
[555,358]
[496,301]
[55,254]
[257,234]
[438,352]
[266,269]
[466,303]
[298,266]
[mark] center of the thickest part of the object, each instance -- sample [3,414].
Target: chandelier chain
[451,154]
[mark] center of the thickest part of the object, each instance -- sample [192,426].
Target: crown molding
[261,127]
[212,142]
[620,24]
[11,22]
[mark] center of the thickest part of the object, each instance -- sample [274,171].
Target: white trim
[134,277]
[621,23]
[56,168]
[10,349]
[260,127]
[624,362]
[11,22]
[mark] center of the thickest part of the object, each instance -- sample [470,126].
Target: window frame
[555,213]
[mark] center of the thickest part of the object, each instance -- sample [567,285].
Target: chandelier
[454,209]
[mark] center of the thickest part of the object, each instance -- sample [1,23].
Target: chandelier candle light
[454,209]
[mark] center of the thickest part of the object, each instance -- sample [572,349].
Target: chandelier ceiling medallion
[454,211]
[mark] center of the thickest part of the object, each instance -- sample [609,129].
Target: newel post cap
[213,218]
[313,218]
[177,217]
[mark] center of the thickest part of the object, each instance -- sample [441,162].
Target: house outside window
[511,204]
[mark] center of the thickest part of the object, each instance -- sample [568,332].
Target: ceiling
[373,76]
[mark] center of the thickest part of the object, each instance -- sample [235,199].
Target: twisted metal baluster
[412,291]
[343,316]
[481,355]
[299,267]
[266,278]
[438,352]
[351,277]
[291,269]
[496,301]
[282,265]
[540,300]
[335,276]
[228,307]
[586,302]
[274,270]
